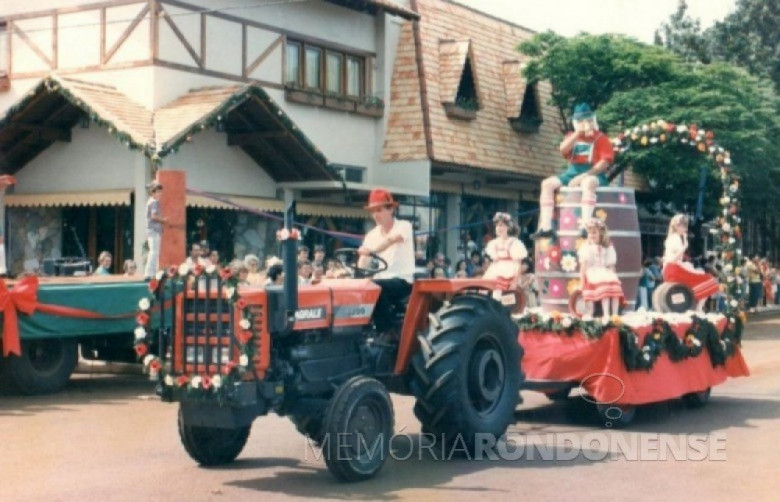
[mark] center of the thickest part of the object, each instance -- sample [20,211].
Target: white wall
[213,166]
[94,160]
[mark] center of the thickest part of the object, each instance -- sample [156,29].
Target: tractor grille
[205,332]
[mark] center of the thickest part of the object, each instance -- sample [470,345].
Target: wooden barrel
[557,264]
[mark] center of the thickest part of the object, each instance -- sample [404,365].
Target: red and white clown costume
[505,253]
[677,270]
[599,281]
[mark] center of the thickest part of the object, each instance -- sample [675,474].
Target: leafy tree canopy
[632,84]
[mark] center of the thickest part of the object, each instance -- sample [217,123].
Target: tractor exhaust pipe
[290,267]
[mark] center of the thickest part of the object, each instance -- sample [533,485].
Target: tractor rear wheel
[212,446]
[466,376]
[358,428]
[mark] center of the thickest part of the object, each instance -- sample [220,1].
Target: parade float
[638,357]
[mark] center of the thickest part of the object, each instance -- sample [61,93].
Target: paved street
[109,438]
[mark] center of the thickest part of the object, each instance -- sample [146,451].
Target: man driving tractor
[392,240]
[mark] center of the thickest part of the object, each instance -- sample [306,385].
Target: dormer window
[457,76]
[530,117]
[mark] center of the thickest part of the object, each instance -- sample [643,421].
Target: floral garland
[701,334]
[728,228]
[146,338]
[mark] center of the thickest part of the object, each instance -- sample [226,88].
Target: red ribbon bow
[23,297]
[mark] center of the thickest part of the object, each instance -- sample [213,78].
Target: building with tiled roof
[321,100]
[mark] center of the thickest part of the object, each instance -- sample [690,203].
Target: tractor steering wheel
[349,257]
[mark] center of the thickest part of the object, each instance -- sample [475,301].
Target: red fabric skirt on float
[701,283]
[601,283]
[599,368]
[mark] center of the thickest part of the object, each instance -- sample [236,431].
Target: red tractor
[320,361]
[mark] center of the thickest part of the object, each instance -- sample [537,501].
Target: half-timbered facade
[322,98]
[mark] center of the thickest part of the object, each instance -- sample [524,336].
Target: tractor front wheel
[358,428]
[212,446]
[466,376]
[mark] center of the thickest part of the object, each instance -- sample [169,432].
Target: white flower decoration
[726,227]
[148,359]
[169,380]
[284,234]
[216,381]
[195,382]
[144,304]
[696,342]
[587,318]
[681,128]
[244,323]
[646,356]
[211,268]
[184,268]
[733,303]
[569,263]
[566,322]
[140,334]
[243,360]
[229,292]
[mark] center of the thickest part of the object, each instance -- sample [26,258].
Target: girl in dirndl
[599,281]
[505,252]
[676,269]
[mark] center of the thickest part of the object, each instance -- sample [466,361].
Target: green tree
[592,68]
[683,35]
[750,37]
[632,83]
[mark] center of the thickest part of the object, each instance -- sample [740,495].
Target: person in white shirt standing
[393,241]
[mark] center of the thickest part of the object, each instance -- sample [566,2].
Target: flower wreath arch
[728,229]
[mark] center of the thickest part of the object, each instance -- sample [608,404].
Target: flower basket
[455,111]
[528,126]
[303,96]
[339,103]
[370,109]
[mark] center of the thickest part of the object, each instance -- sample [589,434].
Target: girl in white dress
[597,270]
[505,253]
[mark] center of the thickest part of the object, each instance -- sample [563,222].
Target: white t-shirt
[400,255]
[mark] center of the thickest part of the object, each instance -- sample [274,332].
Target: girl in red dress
[676,269]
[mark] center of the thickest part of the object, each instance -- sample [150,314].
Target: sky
[637,18]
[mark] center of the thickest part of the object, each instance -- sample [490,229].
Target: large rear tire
[44,367]
[211,446]
[358,428]
[466,376]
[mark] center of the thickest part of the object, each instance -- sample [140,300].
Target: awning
[232,201]
[331,211]
[58,199]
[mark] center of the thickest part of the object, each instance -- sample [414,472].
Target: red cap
[380,197]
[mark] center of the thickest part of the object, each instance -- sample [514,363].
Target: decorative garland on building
[728,228]
[146,338]
[148,146]
[700,334]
